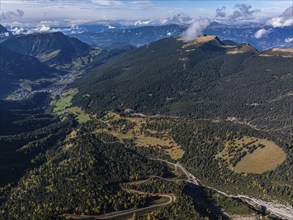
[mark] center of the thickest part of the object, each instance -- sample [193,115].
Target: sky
[83,11]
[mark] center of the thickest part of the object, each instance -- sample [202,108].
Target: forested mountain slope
[36,62]
[80,158]
[81,175]
[203,78]
[16,67]
[54,49]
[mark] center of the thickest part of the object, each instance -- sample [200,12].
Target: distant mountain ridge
[53,49]
[284,52]
[139,36]
[16,67]
[28,57]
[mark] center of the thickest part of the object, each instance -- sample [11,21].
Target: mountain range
[34,61]
[267,38]
[107,34]
[137,36]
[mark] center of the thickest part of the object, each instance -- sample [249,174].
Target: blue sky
[80,11]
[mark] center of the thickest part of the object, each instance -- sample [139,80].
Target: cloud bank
[45,27]
[284,20]
[289,40]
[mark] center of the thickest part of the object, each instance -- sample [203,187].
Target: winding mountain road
[279,210]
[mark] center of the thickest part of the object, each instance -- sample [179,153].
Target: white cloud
[17,30]
[175,18]
[44,28]
[50,23]
[195,29]
[260,33]
[107,2]
[281,22]
[289,40]
[144,22]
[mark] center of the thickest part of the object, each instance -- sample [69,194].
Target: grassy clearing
[64,101]
[83,118]
[47,56]
[63,105]
[252,155]
[123,128]
[132,128]
[262,159]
